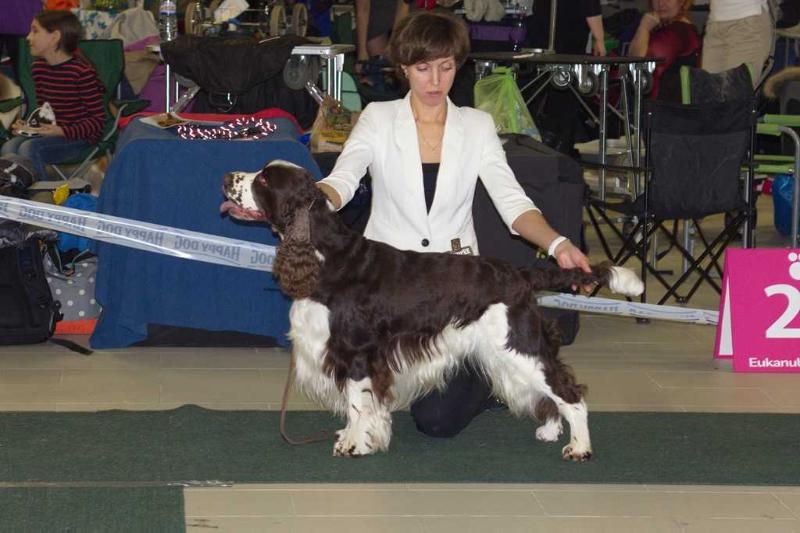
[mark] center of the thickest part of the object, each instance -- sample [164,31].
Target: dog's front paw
[574,452]
[352,444]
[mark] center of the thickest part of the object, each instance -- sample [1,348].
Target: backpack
[16,175]
[28,313]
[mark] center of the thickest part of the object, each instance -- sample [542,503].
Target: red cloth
[62,4]
[271,112]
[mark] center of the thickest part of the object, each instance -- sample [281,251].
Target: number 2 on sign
[778,329]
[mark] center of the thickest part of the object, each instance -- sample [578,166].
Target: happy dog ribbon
[215,249]
[241,128]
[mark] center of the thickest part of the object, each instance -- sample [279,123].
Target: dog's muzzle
[238,189]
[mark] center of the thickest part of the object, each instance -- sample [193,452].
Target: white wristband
[551,250]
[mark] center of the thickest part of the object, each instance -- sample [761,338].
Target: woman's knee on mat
[439,425]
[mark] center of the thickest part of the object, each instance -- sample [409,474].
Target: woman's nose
[435,77]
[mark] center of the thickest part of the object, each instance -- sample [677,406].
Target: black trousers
[444,414]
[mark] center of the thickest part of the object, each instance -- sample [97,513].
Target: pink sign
[759,312]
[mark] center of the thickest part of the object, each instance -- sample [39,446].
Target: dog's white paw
[575,452]
[549,431]
[625,281]
[351,443]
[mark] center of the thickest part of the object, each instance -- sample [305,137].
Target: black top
[571,28]
[429,173]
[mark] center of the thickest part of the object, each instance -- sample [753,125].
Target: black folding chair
[693,160]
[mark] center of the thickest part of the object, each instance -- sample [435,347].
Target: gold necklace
[426,143]
[433,147]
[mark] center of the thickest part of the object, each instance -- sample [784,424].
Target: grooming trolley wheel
[198,17]
[270,17]
[287,17]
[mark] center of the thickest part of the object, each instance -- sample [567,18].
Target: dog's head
[274,194]
[281,194]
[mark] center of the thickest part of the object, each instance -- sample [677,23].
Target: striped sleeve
[90,93]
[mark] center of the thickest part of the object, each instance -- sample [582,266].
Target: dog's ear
[294,198]
[296,264]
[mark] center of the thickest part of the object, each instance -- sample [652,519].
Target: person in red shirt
[667,32]
[69,83]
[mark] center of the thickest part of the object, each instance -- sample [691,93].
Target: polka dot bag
[73,284]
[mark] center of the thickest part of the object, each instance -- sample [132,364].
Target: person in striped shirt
[69,83]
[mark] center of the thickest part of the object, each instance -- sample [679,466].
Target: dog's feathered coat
[373,328]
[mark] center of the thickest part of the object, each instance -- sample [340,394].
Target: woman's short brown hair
[427,35]
[66,23]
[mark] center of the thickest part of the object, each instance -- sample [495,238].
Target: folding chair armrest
[793,121]
[9,104]
[768,128]
[773,158]
[776,168]
[112,130]
[123,107]
[129,107]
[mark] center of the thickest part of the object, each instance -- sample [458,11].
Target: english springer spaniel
[373,328]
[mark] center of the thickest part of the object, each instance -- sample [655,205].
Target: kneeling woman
[425,155]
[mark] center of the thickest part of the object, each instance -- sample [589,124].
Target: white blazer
[385,141]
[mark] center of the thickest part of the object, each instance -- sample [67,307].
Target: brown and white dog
[373,328]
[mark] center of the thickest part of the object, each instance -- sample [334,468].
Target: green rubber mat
[191,443]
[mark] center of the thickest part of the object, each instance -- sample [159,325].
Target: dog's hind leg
[523,366]
[579,447]
[546,410]
[524,383]
[561,387]
[369,422]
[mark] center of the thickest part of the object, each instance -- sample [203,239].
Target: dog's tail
[620,280]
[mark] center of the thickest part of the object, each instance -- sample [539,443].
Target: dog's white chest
[309,333]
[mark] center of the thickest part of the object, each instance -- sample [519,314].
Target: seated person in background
[668,33]
[375,20]
[556,113]
[69,83]
[574,21]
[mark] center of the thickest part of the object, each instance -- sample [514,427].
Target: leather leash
[319,437]
[300,230]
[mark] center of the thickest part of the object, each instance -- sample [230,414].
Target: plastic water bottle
[167,20]
[517,33]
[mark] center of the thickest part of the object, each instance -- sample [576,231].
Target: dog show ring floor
[681,443]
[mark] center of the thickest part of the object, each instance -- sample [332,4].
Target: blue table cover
[158,177]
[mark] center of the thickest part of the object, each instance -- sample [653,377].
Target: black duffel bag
[240,74]
[555,183]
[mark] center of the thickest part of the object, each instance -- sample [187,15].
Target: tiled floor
[628,367]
